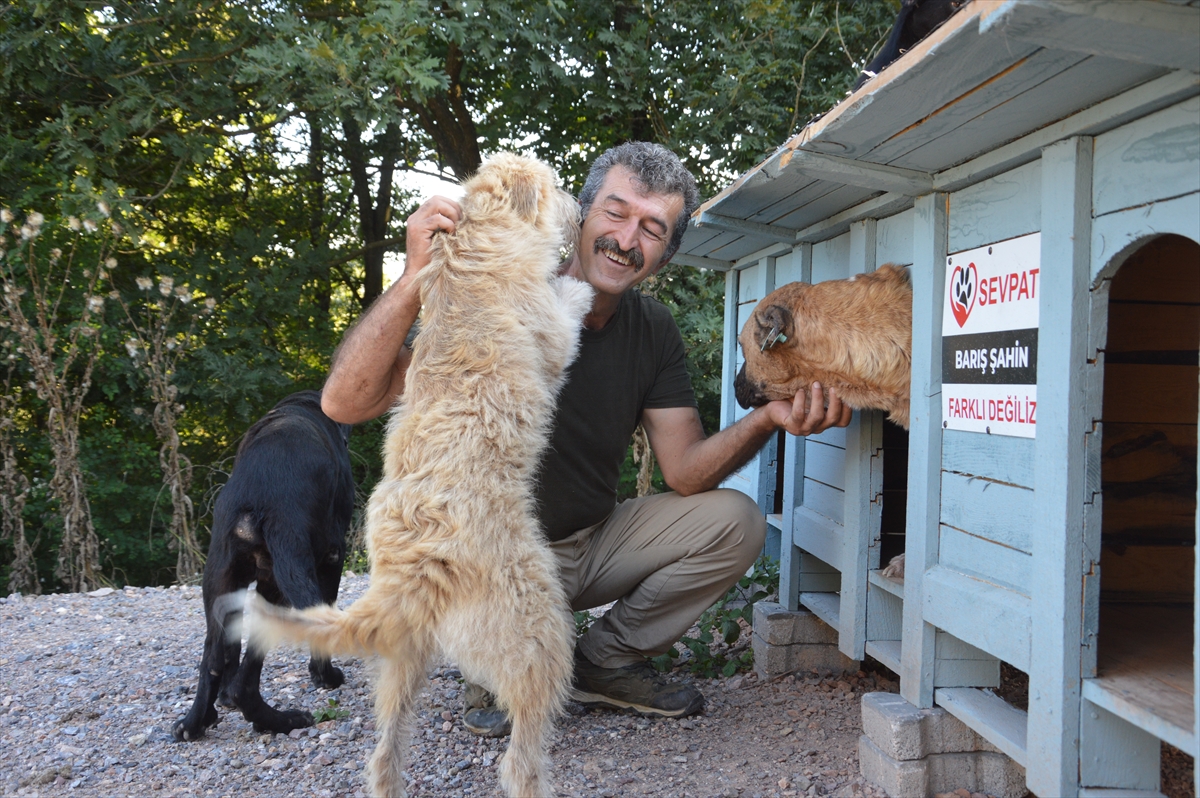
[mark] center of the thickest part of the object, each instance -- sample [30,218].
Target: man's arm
[692,463]
[367,373]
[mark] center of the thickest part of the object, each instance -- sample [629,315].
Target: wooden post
[861,519]
[790,557]
[1059,470]
[924,444]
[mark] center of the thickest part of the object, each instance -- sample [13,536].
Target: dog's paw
[282,722]
[895,568]
[574,296]
[329,677]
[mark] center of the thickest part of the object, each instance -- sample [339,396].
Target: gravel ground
[90,686]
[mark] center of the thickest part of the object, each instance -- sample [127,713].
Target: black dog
[281,519]
[916,20]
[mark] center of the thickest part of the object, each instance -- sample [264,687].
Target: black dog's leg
[245,690]
[216,667]
[329,574]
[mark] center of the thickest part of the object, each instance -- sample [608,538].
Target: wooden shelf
[826,606]
[1145,669]
[989,715]
[893,586]
[887,652]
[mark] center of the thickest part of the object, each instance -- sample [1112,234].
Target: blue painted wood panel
[1152,158]
[991,510]
[825,499]
[998,457]
[831,259]
[1006,206]
[894,239]
[991,618]
[788,268]
[825,463]
[983,559]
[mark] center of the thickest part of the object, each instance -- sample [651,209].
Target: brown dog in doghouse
[854,336]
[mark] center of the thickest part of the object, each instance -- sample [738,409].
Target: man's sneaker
[488,722]
[481,715]
[638,687]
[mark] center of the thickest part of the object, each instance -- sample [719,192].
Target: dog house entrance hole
[1148,479]
[894,513]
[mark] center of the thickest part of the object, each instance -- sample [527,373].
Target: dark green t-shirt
[636,362]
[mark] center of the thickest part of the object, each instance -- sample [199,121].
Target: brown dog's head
[768,343]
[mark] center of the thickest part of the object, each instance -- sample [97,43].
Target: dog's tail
[324,628]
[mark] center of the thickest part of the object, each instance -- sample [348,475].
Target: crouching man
[663,559]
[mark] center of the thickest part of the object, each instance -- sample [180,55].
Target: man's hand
[798,419]
[436,215]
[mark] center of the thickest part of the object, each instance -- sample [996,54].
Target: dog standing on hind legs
[457,557]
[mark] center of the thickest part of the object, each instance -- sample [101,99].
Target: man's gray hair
[657,170]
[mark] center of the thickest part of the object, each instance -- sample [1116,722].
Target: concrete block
[781,627]
[773,660]
[978,771]
[903,732]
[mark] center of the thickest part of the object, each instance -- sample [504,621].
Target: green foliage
[255,154]
[331,711]
[713,649]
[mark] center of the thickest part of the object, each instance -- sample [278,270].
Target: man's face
[625,233]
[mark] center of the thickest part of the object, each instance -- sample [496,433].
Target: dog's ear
[774,326]
[524,193]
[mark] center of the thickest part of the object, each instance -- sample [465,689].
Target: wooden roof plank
[1062,95]
[1024,75]
[834,202]
[1160,34]
[767,231]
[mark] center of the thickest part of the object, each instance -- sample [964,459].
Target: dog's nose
[745,392]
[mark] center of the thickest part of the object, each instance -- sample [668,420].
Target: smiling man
[662,559]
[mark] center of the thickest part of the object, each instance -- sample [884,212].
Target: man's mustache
[634,256]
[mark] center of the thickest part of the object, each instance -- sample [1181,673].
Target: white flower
[103,275]
[131,346]
[89,225]
[145,283]
[55,253]
[35,219]
[95,304]
[185,296]
[27,232]
[165,285]
[117,229]
[102,206]
[210,303]
[137,411]
[110,263]
[171,345]
[6,215]
[73,223]
[114,294]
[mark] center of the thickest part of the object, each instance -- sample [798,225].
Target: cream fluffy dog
[457,557]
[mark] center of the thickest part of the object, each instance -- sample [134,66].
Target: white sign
[989,338]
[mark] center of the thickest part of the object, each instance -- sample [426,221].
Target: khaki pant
[664,560]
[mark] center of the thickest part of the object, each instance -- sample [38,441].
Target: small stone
[102,592]
[137,740]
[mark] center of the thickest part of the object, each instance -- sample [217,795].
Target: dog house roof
[980,95]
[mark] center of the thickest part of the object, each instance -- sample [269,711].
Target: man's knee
[741,518]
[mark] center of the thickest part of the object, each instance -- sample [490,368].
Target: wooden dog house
[1047,507]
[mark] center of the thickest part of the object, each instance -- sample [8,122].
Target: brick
[977,771]
[779,626]
[904,732]
[773,660]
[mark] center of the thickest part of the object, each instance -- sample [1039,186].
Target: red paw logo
[963,283]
